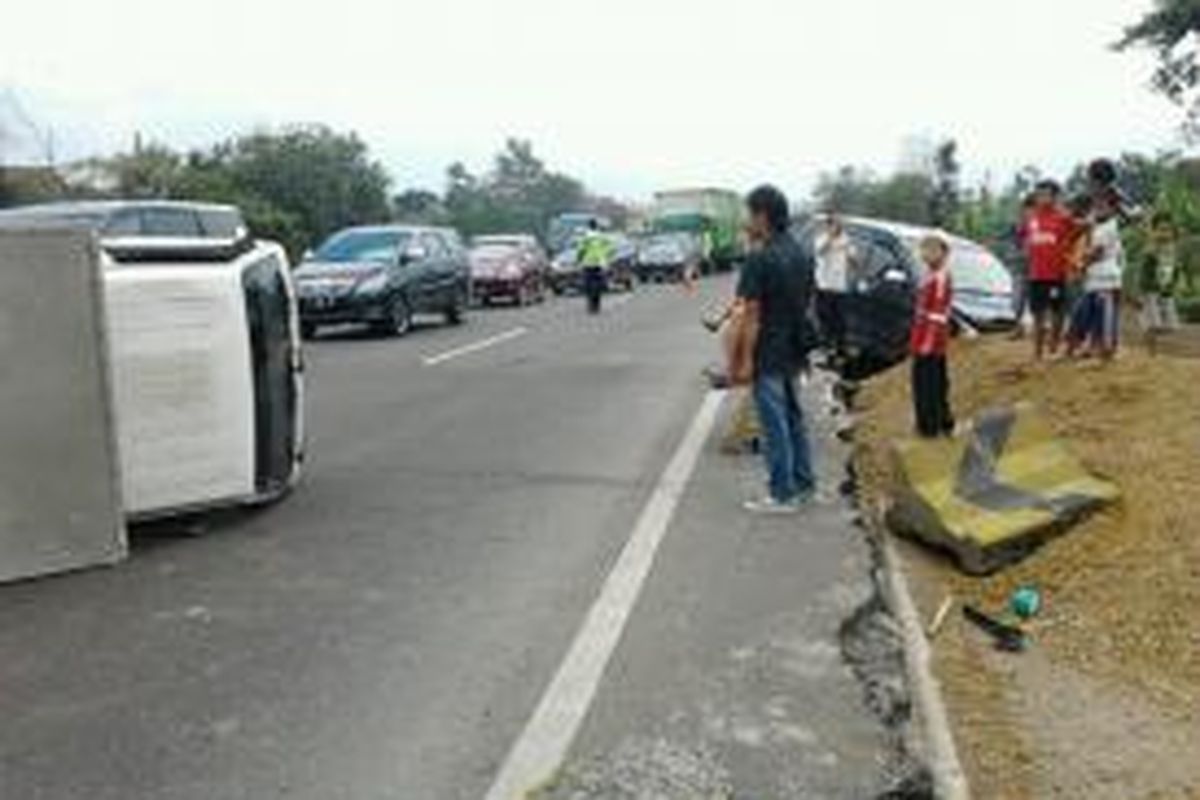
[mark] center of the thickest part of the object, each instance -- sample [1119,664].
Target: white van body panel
[182,382]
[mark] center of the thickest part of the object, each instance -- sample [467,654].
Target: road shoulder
[740,671]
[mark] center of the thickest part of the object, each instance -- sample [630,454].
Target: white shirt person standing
[835,256]
[1096,319]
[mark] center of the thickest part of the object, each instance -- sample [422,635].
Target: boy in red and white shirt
[1049,233]
[928,341]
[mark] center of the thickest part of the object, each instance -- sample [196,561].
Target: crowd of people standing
[1070,278]
[1074,264]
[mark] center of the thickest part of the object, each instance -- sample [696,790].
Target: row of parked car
[382,276]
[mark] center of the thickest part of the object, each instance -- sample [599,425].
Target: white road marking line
[543,744]
[474,347]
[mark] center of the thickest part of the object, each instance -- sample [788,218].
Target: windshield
[565,227]
[975,269]
[667,240]
[378,247]
[972,268]
[689,222]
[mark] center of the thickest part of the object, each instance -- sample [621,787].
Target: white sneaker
[769,505]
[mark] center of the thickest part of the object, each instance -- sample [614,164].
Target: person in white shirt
[835,257]
[1097,320]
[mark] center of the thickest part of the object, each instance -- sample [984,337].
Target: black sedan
[383,276]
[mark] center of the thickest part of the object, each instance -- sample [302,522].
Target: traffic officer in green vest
[594,252]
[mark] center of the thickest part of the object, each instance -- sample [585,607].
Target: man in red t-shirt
[1049,232]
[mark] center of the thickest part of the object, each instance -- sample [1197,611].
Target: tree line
[517,193]
[298,184]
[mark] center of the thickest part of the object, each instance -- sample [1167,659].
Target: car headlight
[372,285]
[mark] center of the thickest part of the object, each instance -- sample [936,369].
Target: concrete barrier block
[993,493]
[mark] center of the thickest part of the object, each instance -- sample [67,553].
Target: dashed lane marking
[474,347]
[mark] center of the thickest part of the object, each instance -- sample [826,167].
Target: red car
[511,267]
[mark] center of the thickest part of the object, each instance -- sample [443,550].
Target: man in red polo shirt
[1048,235]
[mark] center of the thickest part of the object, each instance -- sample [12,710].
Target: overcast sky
[630,95]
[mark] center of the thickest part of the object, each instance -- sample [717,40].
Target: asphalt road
[387,630]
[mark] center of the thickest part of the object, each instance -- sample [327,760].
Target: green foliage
[1165,30]
[1165,26]
[904,197]
[20,185]
[944,199]
[301,183]
[1189,309]
[326,180]
[147,172]
[418,206]
[929,197]
[518,194]
[296,185]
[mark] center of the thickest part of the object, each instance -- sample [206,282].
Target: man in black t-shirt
[777,287]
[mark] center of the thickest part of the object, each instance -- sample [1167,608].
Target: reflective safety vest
[594,250]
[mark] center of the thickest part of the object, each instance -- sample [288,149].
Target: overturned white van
[205,359]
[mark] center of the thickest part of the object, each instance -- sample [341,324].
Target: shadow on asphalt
[149,535]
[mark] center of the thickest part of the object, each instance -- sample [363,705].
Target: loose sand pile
[1107,702]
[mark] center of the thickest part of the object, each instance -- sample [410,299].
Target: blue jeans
[789,461]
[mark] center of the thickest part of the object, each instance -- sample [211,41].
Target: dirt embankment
[1107,701]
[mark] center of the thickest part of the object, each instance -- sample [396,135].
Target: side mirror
[413,253]
[308,255]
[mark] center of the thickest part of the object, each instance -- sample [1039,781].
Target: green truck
[715,216]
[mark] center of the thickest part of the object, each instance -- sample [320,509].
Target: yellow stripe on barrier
[993,493]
